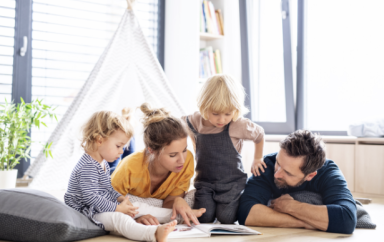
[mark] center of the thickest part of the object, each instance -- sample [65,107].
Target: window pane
[344,62]
[68,38]
[7,34]
[266,58]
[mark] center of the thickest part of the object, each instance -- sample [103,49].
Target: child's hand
[126,207]
[256,165]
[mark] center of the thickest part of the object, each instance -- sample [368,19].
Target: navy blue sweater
[329,183]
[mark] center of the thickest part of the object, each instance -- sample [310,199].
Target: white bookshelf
[208,36]
[183,41]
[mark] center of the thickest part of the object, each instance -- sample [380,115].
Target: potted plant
[16,121]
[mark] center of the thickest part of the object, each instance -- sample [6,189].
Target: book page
[183,231]
[236,229]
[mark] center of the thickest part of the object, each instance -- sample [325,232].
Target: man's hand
[126,207]
[258,165]
[147,220]
[282,204]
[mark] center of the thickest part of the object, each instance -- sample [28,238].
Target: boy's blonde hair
[102,124]
[221,93]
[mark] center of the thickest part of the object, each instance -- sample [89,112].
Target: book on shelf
[218,61]
[212,16]
[206,230]
[202,22]
[210,62]
[219,16]
[211,20]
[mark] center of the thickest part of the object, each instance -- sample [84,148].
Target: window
[68,38]
[65,40]
[267,66]
[7,35]
[267,63]
[338,63]
[344,56]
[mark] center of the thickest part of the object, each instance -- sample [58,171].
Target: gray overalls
[220,176]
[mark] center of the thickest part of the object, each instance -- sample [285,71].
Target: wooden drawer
[369,170]
[344,156]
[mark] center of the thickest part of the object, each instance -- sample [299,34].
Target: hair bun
[127,113]
[153,115]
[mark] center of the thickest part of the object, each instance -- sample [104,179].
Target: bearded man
[300,165]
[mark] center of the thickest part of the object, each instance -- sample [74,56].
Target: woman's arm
[180,206]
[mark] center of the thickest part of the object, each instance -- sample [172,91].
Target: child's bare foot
[198,212]
[163,231]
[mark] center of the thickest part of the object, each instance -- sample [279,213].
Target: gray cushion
[32,215]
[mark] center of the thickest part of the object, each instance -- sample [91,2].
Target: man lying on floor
[300,165]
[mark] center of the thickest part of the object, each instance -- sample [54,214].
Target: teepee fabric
[127,74]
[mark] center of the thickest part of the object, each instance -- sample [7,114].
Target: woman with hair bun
[162,170]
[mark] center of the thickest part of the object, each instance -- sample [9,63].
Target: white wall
[181,49]
[182,44]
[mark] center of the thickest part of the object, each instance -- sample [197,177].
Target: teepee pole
[130,4]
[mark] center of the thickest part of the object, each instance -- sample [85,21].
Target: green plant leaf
[22,100]
[16,121]
[37,123]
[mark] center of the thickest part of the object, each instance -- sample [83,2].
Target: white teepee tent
[127,74]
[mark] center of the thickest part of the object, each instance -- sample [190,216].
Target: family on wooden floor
[296,187]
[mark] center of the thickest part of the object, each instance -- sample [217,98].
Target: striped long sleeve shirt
[90,190]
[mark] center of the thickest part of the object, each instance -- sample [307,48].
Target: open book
[205,230]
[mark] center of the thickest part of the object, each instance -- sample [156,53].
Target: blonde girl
[219,131]
[90,191]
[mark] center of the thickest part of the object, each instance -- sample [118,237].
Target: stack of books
[211,20]
[210,62]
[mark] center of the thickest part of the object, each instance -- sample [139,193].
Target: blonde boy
[219,131]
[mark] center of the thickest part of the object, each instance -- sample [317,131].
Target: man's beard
[282,184]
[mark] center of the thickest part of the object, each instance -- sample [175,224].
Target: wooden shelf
[201,80]
[207,36]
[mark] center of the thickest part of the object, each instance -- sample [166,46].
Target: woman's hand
[256,165]
[147,220]
[180,206]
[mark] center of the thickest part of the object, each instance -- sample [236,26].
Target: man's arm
[261,215]
[340,204]
[258,191]
[314,215]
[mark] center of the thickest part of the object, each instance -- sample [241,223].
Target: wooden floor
[375,209]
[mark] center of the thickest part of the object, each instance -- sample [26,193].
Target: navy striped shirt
[90,190]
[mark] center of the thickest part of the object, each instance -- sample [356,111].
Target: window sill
[335,139]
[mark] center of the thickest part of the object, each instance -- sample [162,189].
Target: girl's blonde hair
[102,124]
[220,93]
[161,128]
